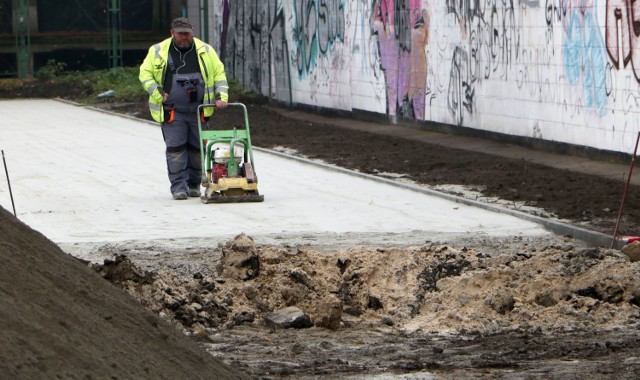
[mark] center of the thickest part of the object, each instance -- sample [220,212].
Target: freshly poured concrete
[79,175]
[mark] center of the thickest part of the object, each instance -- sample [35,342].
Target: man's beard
[183,45]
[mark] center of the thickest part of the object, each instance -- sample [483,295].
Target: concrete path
[79,175]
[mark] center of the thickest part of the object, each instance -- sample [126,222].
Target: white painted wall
[546,69]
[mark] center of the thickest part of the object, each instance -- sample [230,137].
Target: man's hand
[221,104]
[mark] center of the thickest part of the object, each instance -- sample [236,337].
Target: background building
[83,34]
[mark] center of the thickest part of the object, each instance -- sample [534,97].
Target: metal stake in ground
[624,194]
[9,183]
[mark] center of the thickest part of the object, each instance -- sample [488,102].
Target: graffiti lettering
[402,24]
[331,23]
[493,44]
[318,23]
[258,53]
[555,10]
[461,91]
[306,19]
[620,22]
[402,53]
[466,10]
[492,30]
[365,43]
[279,56]
[484,53]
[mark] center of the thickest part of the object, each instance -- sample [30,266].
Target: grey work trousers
[182,140]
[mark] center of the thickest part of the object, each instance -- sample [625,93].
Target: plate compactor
[228,170]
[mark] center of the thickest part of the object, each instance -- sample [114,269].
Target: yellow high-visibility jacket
[154,69]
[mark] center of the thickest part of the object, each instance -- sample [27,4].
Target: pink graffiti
[623,18]
[402,27]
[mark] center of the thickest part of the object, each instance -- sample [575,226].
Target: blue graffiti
[583,57]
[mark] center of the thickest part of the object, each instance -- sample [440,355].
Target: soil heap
[436,287]
[60,319]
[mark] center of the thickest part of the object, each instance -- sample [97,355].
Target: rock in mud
[244,317]
[121,270]
[289,317]
[328,313]
[240,259]
[632,251]
[301,277]
[374,303]
[388,321]
[501,303]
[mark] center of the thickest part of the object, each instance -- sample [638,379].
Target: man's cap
[182,25]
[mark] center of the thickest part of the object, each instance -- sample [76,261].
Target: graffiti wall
[559,70]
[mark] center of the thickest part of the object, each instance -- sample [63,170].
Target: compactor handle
[246,124]
[239,105]
[201,106]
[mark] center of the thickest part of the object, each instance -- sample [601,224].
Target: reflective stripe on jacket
[154,69]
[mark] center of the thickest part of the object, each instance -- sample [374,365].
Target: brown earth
[61,320]
[491,308]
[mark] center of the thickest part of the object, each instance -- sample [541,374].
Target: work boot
[194,191]
[180,195]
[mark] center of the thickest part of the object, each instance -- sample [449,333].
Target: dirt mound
[433,287]
[61,320]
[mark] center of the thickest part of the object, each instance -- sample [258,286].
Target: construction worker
[179,74]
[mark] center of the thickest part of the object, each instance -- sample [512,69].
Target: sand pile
[433,287]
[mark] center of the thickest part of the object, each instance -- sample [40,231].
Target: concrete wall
[555,70]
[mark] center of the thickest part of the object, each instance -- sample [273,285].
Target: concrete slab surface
[79,175]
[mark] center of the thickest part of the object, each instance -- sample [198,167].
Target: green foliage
[234,87]
[238,94]
[126,85]
[85,86]
[51,70]
[123,80]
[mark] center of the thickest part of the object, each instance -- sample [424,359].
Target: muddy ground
[473,308]
[463,308]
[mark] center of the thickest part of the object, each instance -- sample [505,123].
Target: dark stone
[240,259]
[635,300]
[388,321]
[301,277]
[374,303]
[502,304]
[343,264]
[289,317]
[589,292]
[244,317]
[545,300]
[453,266]
[353,310]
